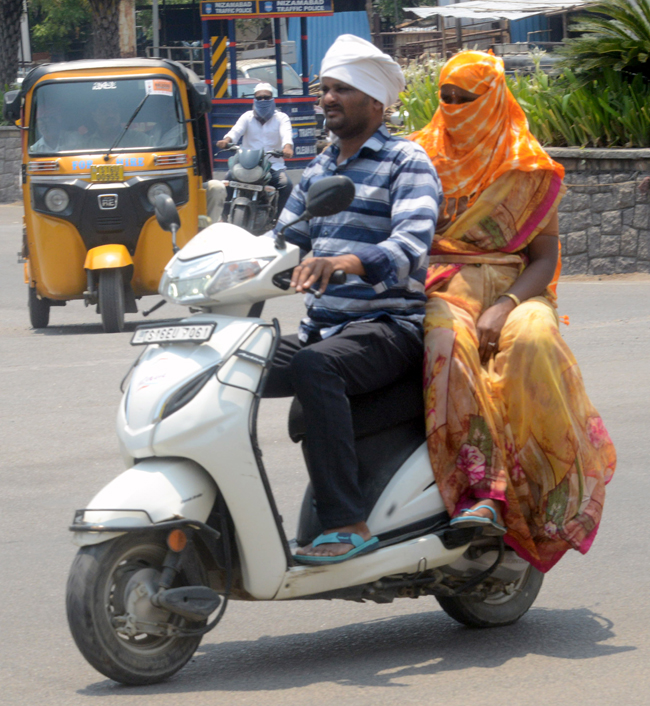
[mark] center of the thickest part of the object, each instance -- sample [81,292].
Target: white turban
[361,65]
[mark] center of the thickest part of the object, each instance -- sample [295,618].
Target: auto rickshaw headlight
[57,200]
[159,188]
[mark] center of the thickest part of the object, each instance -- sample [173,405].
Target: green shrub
[618,37]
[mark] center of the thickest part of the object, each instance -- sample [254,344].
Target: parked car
[263,70]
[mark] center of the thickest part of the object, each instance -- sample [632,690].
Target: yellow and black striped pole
[219,65]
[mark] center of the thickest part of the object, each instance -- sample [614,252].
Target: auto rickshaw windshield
[84,116]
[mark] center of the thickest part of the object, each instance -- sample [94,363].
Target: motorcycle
[254,202]
[193,522]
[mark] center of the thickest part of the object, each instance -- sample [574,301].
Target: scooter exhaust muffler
[195,603]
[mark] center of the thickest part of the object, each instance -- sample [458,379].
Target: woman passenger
[515,444]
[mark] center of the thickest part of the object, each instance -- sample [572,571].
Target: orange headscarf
[471,145]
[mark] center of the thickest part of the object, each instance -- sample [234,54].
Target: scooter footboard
[155,490]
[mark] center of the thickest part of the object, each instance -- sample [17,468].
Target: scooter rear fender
[153,491]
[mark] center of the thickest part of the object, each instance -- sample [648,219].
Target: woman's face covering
[454,95]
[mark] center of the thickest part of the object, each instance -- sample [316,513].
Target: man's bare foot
[360,528]
[482,512]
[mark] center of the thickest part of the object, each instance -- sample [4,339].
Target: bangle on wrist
[512,296]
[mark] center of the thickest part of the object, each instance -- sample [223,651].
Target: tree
[59,26]
[10,14]
[617,37]
[106,28]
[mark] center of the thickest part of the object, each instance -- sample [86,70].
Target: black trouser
[279,180]
[361,358]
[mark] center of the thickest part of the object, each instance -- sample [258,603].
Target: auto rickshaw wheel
[39,309]
[111,300]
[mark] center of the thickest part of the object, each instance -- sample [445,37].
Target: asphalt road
[584,642]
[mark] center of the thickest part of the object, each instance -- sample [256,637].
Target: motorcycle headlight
[231,274]
[249,176]
[57,200]
[159,188]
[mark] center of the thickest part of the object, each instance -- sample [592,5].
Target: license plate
[239,185]
[107,172]
[178,333]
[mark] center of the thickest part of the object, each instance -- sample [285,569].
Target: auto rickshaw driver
[107,126]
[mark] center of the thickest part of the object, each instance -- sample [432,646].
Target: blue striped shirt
[389,226]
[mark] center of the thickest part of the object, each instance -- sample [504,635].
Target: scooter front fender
[106,257]
[155,490]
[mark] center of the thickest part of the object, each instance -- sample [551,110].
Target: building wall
[10,161]
[605,215]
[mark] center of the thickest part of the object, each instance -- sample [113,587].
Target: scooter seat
[374,412]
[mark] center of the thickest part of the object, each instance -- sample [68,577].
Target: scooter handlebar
[338,277]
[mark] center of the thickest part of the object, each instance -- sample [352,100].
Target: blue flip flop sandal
[360,546]
[491,527]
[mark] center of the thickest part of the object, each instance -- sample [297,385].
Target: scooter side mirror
[325,198]
[167,213]
[329,196]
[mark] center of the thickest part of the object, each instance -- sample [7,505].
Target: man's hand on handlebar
[222,144]
[313,269]
[287,151]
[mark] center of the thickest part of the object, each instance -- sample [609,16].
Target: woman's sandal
[491,528]
[359,546]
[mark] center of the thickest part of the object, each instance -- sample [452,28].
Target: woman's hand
[489,325]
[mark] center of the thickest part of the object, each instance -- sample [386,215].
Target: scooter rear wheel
[39,310]
[97,596]
[111,300]
[498,609]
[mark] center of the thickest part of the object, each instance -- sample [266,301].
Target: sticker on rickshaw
[159,87]
[107,172]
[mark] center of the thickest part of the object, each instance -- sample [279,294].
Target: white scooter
[193,523]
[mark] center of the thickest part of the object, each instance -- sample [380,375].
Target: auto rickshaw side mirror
[201,99]
[167,213]
[11,106]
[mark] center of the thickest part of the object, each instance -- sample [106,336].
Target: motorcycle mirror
[329,196]
[166,213]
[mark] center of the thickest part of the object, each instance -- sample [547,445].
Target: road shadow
[380,653]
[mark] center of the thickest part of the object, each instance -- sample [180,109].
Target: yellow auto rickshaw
[101,140]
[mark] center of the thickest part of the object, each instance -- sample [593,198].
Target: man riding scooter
[367,333]
[265,128]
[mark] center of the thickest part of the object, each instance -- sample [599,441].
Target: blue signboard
[265,8]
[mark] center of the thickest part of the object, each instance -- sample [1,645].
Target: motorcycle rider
[265,128]
[367,333]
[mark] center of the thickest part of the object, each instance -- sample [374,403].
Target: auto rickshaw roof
[185,74]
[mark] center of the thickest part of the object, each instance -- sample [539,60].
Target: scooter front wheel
[102,601]
[111,300]
[498,609]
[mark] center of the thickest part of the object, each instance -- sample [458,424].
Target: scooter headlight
[197,281]
[185,281]
[249,176]
[159,188]
[231,274]
[57,200]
